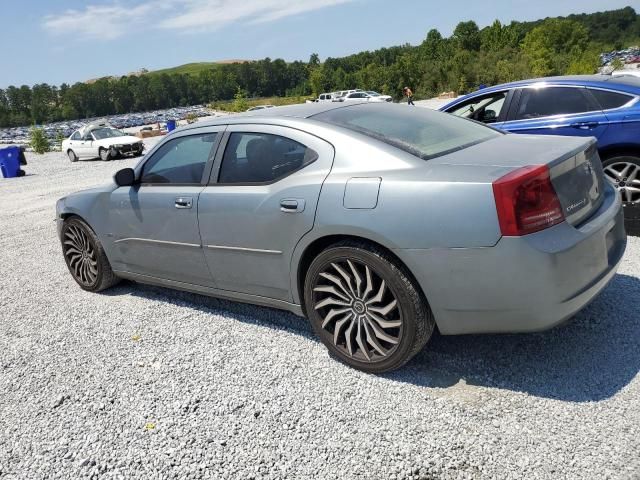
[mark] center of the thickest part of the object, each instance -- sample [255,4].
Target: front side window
[262,158]
[180,160]
[609,100]
[421,132]
[545,102]
[485,109]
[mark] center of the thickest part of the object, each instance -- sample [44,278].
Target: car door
[261,201]
[487,108]
[555,110]
[155,221]
[76,144]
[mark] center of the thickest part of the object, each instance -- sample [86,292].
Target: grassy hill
[193,68]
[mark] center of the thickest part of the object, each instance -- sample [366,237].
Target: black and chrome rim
[358,310]
[81,255]
[625,177]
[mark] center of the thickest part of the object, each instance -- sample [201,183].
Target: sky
[55,41]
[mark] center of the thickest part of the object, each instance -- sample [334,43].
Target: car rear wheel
[85,257]
[366,308]
[105,154]
[72,156]
[624,173]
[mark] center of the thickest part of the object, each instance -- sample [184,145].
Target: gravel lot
[144,382]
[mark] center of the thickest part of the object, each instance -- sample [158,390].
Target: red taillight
[526,201]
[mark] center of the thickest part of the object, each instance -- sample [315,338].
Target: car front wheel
[624,173]
[105,154]
[366,308]
[85,257]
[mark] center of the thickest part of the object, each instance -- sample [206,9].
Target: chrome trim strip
[162,242]
[243,249]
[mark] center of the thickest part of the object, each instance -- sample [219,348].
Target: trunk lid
[574,166]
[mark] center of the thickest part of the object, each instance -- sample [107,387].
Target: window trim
[214,179]
[503,112]
[513,112]
[218,130]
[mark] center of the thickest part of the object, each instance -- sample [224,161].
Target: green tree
[38,140]
[240,103]
[552,44]
[467,35]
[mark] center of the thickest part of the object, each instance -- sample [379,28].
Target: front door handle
[292,205]
[585,125]
[184,202]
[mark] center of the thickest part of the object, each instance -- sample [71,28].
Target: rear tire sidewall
[72,156]
[386,271]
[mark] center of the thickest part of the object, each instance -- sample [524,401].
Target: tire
[624,172]
[72,155]
[375,326]
[105,154]
[85,257]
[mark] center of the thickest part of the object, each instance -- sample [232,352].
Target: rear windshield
[419,131]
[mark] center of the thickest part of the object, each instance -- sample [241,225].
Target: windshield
[105,132]
[422,132]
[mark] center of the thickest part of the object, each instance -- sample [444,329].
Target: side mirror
[125,177]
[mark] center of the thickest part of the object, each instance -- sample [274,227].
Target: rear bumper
[522,284]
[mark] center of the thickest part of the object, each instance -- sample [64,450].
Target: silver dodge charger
[377,222]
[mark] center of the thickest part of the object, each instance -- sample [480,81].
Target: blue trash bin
[171,125]
[10,162]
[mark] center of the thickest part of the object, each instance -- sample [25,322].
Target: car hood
[123,140]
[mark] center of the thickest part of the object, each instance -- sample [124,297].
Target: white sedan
[99,140]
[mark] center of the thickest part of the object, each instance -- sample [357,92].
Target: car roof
[624,83]
[268,115]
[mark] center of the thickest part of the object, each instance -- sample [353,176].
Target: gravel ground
[144,382]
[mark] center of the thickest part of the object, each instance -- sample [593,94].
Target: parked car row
[628,55]
[352,95]
[52,130]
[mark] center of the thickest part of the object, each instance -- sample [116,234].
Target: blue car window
[545,102]
[609,100]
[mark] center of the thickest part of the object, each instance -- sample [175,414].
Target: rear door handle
[585,125]
[184,202]
[292,205]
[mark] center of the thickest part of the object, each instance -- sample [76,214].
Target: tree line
[468,58]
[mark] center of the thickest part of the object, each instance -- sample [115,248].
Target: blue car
[600,106]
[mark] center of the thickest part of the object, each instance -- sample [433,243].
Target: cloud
[97,21]
[213,14]
[115,19]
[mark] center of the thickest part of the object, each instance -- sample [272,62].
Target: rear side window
[76,136]
[421,132]
[179,161]
[545,102]
[262,158]
[609,100]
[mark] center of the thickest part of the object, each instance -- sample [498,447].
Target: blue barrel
[10,162]
[171,125]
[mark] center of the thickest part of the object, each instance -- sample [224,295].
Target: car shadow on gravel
[589,358]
